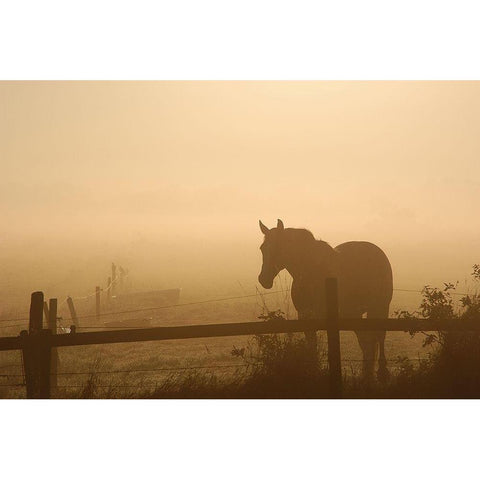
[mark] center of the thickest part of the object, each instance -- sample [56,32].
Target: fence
[38,344]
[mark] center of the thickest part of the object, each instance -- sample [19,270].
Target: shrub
[452,370]
[281,366]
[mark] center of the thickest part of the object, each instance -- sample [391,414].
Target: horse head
[271,251]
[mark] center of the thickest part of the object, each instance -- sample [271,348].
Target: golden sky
[168,163]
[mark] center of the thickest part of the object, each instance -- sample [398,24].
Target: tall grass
[281,366]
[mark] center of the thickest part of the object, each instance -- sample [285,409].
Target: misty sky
[187,168]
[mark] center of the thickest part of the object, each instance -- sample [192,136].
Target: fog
[169,179]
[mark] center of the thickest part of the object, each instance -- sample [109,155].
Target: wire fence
[163,307]
[199,367]
[394,364]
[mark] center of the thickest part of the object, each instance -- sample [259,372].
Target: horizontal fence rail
[243,328]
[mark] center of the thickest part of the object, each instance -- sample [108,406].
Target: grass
[271,366]
[231,380]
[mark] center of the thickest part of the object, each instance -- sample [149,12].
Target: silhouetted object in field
[365,283]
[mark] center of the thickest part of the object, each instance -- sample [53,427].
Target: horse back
[364,275]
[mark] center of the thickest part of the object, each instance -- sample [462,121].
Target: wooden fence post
[36,350]
[36,313]
[44,363]
[73,313]
[45,311]
[52,326]
[333,335]
[97,303]
[28,363]
[114,278]
[122,275]
[107,290]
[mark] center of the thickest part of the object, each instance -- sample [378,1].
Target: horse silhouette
[365,283]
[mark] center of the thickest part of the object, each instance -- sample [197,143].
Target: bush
[281,366]
[277,366]
[452,370]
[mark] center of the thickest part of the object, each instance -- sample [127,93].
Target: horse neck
[311,259]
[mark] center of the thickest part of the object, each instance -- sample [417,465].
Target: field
[141,369]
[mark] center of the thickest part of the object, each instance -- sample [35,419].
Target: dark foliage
[452,370]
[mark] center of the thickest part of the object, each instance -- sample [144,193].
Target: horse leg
[382,372]
[310,337]
[368,344]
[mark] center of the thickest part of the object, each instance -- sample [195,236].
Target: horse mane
[302,235]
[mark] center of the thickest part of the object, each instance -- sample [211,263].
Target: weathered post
[73,313]
[333,335]
[28,363]
[108,289]
[114,278]
[52,317]
[97,303]
[36,351]
[45,311]
[52,326]
[122,275]
[44,363]
[29,352]
[36,313]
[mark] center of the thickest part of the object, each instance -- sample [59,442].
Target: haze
[171,178]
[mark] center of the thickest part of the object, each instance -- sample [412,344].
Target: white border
[239,40]
[192,40]
[239,439]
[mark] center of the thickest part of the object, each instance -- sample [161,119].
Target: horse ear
[279,225]
[263,228]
